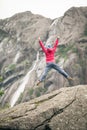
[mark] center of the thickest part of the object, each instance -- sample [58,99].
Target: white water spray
[23,84]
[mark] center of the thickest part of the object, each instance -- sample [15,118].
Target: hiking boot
[70,78]
[38,83]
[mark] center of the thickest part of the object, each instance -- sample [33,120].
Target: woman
[50,60]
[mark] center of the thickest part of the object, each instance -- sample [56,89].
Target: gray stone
[64,109]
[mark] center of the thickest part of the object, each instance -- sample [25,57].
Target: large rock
[64,109]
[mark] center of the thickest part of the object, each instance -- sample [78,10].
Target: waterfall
[17,57]
[23,84]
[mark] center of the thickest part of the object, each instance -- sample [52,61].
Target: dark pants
[50,66]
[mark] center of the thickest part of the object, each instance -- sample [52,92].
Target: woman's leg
[46,70]
[61,71]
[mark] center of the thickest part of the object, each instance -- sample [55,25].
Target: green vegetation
[1,92]
[82,56]
[26,62]
[64,49]
[74,49]
[42,90]
[4,107]
[1,78]
[3,34]
[32,93]
[10,68]
[82,63]
[7,69]
[85,30]
[31,90]
[37,93]
[20,98]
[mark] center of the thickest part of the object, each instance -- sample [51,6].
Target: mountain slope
[22,61]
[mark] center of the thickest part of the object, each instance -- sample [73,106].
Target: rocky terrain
[22,60]
[63,109]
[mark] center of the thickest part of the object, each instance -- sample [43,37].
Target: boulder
[64,109]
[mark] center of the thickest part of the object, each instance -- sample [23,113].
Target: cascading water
[23,84]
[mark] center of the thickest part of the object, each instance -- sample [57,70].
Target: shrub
[1,92]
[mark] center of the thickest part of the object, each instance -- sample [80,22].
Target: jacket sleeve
[56,44]
[42,46]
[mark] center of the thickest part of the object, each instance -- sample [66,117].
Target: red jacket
[49,52]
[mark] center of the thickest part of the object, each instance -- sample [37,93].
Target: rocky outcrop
[64,109]
[71,26]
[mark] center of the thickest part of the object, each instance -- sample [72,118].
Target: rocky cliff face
[64,109]
[22,61]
